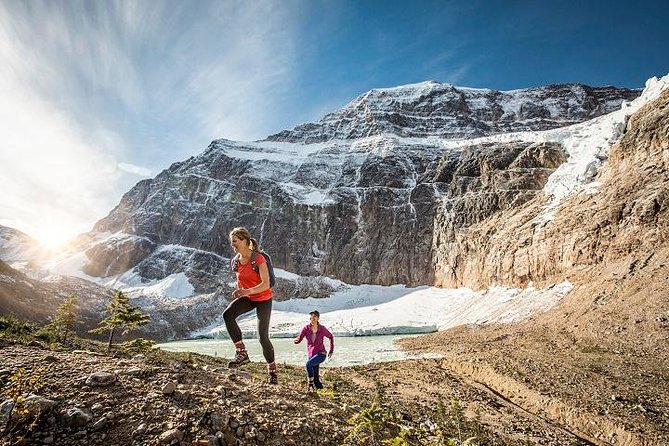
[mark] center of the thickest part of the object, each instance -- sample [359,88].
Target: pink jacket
[316,345]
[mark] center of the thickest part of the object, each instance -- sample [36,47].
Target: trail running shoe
[273,378]
[241,357]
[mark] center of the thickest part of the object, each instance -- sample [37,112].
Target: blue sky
[98,95]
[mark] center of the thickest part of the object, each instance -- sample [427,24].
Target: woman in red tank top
[253,292]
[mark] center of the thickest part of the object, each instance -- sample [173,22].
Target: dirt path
[422,385]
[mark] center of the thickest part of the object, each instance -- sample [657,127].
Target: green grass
[16,330]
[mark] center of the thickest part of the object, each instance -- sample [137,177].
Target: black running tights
[243,305]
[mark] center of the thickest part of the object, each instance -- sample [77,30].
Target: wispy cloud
[457,73]
[238,92]
[97,93]
[52,178]
[137,170]
[440,58]
[54,174]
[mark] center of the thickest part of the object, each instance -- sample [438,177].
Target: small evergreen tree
[122,314]
[65,319]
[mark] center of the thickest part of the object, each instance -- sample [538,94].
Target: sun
[54,236]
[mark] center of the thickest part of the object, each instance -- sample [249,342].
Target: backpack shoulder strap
[234,263]
[254,263]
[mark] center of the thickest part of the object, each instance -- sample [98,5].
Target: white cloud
[137,170]
[456,74]
[238,93]
[50,175]
[58,176]
[96,93]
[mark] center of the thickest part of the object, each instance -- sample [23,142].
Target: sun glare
[54,236]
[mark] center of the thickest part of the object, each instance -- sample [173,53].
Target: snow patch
[376,310]
[587,144]
[173,286]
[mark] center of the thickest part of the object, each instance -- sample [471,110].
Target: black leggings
[263,310]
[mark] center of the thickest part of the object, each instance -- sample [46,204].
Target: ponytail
[254,244]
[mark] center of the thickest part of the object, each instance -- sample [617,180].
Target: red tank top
[248,278]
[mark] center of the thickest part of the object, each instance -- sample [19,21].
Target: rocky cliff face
[361,210]
[338,200]
[372,223]
[627,215]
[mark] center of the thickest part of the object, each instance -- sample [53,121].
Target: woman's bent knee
[228,315]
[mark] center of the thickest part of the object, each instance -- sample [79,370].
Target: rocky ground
[93,398]
[598,364]
[593,370]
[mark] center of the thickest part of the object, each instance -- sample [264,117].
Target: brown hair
[244,234]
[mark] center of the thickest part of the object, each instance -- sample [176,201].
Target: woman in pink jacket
[315,334]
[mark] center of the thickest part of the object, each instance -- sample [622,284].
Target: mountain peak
[434,109]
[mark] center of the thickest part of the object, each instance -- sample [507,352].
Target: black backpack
[234,265]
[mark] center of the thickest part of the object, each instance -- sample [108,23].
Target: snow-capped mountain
[447,111]
[361,210]
[380,192]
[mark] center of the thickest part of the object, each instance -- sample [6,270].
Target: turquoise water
[348,350]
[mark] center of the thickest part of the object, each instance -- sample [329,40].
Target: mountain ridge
[454,112]
[402,179]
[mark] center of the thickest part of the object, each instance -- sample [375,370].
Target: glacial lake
[348,350]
